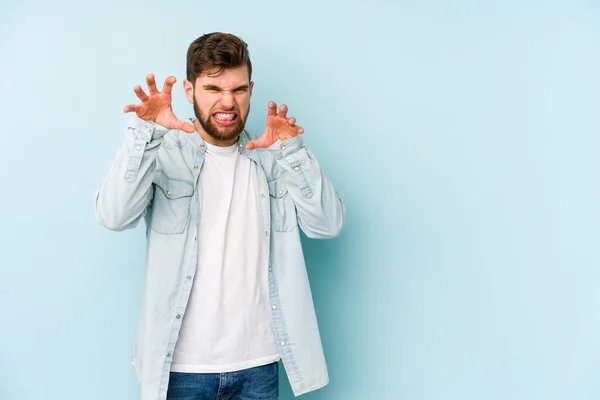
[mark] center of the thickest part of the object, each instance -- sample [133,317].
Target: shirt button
[188,277]
[283,147]
[168,354]
[148,129]
[168,193]
[138,147]
[262,195]
[270,269]
[296,168]
[240,145]
[266,233]
[274,307]
[282,343]
[195,167]
[178,316]
[281,192]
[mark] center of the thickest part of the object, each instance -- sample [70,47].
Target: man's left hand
[279,127]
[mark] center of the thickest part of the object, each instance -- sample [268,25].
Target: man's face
[221,103]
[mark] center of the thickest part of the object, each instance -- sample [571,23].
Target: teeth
[224,116]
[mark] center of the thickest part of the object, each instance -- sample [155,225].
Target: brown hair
[214,52]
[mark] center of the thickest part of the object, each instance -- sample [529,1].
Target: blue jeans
[258,383]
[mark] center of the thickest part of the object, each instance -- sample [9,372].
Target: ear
[188,88]
[251,86]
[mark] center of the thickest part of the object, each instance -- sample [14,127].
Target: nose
[227,100]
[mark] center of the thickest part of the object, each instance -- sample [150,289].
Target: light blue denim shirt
[155,175]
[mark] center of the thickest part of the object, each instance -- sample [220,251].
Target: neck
[211,140]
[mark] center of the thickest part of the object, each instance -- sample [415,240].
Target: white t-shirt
[227,324]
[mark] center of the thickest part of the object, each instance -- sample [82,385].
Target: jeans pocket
[171,205]
[283,210]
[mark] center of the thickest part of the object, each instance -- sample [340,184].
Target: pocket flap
[277,189]
[174,188]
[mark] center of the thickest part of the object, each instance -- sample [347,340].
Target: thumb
[186,127]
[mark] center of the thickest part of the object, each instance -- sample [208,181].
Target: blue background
[463,137]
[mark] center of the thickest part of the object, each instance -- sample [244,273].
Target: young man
[226,294]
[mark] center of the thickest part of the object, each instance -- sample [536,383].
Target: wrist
[283,148]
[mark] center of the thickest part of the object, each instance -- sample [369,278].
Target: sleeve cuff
[283,148]
[146,130]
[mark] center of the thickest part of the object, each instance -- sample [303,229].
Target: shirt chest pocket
[171,205]
[283,210]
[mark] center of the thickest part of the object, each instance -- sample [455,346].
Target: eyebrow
[214,87]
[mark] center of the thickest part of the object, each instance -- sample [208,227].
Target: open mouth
[225,118]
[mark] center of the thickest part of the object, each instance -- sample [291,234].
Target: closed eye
[241,89]
[216,89]
[212,89]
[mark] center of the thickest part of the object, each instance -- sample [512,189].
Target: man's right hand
[156,107]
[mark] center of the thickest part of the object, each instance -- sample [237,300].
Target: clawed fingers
[275,116]
[151,84]
[168,86]
[283,111]
[156,106]
[139,92]
[272,109]
[152,89]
